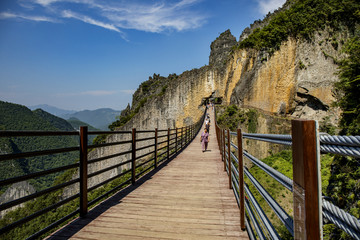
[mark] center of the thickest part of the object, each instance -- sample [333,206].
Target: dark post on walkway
[223,150]
[229,157]
[133,156]
[241,180]
[155,148]
[168,144]
[307,182]
[83,170]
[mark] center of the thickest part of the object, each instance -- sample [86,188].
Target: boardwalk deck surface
[188,199]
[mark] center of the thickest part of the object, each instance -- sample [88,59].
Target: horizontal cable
[54,224]
[37,153]
[340,140]
[108,157]
[109,192]
[109,144]
[108,132]
[37,174]
[108,169]
[278,176]
[145,131]
[280,212]
[11,133]
[342,219]
[145,139]
[145,162]
[145,147]
[144,155]
[108,180]
[341,150]
[35,195]
[265,220]
[37,214]
[253,219]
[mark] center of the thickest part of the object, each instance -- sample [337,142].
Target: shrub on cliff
[302,19]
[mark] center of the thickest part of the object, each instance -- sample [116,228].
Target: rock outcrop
[15,191]
[295,81]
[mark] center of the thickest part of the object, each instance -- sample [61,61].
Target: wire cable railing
[138,153]
[254,217]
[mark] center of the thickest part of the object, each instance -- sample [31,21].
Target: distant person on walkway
[204,139]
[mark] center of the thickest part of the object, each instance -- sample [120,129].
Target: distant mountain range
[100,118]
[18,117]
[53,110]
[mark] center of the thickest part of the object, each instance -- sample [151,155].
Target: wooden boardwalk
[188,199]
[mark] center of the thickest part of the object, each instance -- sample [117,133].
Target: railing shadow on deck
[156,150]
[310,207]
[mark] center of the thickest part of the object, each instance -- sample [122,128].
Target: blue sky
[88,54]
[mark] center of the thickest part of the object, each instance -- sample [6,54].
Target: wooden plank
[189,198]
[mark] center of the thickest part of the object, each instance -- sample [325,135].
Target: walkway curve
[188,199]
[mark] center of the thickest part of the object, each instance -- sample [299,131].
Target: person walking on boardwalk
[204,139]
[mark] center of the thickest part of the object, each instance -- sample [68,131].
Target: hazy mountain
[18,117]
[99,118]
[53,110]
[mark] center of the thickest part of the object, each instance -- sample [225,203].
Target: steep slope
[17,117]
[99,118]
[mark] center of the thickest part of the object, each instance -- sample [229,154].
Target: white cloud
[158,16]
[128,91]
[266,6]
[98,93]
[86,19]
[5,15]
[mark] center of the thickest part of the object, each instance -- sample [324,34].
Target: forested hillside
[17,117]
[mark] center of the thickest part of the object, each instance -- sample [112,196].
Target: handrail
[341,145]
[151,153]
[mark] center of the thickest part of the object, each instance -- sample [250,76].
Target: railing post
[182,139]
[133,157]
[229,160]
[83,170]
[156,141]
[241,180]
[223,150]
[168,143]
[307,182]
[176,140]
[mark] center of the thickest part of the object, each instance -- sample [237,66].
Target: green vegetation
[302,19]
[47,200]
[344,187]
[231,117]
[156,86]
[17,117]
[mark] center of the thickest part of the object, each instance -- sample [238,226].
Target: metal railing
[309,206]
[158,146]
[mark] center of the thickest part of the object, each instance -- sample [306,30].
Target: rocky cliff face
[295,81]
[15,191]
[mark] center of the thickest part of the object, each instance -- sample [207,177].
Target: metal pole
[229,156]
[223,147]
[168,143]
[307,182]
[156,141]
[176,140]
[83,170]
[133,159]
[241,180]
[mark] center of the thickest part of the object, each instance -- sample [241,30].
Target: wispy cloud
[86,19]
[128,91]
[266,6]
[157,17]
[98,93]
[5,15]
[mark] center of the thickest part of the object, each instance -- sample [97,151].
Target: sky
[90,54]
